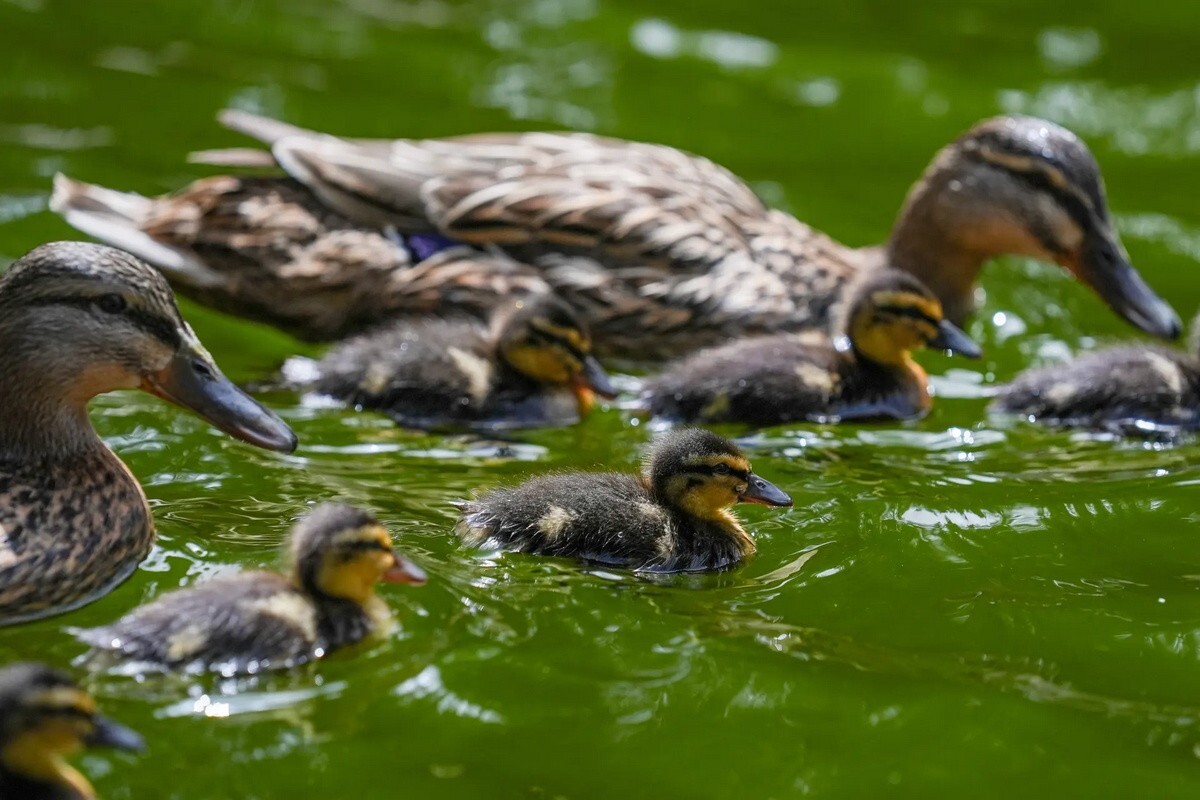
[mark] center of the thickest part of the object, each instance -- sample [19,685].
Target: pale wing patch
[8,556]
[185,644]
[291,609]
[477,371]
[1061,393]
[376,378]
[554,522]
[1168,370]
[813,376]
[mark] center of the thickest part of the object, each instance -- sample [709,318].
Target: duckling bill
[866,372]
[256,621]
[45,717]
[534,366]
[673,518]
[78,320]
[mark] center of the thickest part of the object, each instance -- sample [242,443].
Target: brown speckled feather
[80,526]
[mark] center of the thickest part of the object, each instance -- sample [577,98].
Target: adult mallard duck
[533,367]
[262,620]
[1138,389]
[45,717]
[661,251]
[866,371]
[78,320]
[674,518]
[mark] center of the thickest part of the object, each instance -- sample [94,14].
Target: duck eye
[721,469]
[111,303]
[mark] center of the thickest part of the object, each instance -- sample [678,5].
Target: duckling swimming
[866,372]
[1129,389]
[661,251]
[45,717]
[78,320]
[534,367]
[264,620]
[673,518]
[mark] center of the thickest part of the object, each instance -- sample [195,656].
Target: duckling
[444,372]
[866,372]
[255,621]
[45,717]
[1132,389]
[78,320]
[673,518]
[662,252]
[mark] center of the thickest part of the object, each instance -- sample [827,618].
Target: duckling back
[777,379]
[1113,389]
[601,518]
[233,624]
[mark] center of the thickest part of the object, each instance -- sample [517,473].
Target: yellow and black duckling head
[543,339]
[1019,185]
[703,474]
[342,552]
[890,314]
[78,320]
[44,718]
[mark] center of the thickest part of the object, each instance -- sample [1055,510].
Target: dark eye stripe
[910,312]
[163,330]
[699,469]
[544,336]
[1072,203]
[363,544]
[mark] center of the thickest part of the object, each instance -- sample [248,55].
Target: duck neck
[41,414]
[926,242]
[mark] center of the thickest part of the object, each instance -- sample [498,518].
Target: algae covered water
[964,606]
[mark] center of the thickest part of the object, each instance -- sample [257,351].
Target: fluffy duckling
[1128,389]
[673,518]
[533,367]
[78,320]
[45,717]
[264,620]
[866,372]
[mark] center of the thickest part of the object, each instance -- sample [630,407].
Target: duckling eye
[721,469]
[111,303]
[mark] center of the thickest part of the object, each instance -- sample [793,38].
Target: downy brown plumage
[673,518]
[866,371]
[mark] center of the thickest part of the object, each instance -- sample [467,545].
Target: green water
[959,607]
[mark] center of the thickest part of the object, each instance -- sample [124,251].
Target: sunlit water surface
[958,607]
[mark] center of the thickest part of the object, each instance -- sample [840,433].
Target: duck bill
[1104,265]
[765,493]
[591,382]
[193,381]
[106,733]
[953,339]
[404,571]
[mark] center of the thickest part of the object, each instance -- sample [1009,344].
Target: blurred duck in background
[661,252]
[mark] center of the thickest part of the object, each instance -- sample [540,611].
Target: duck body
[783,378]
[663,252]
[533,368]
[261,620]
[78,320]
[864,372]
[674,519]
[81,525]
[1121,389]
[236,624]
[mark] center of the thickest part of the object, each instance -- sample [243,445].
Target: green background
[959,607]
